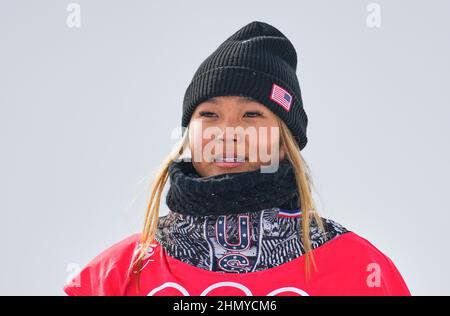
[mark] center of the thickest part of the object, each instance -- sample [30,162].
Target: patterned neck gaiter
[239,243]
[230,237]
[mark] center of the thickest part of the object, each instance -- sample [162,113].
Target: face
[233,134]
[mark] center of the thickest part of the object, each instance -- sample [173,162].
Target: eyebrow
[242,99]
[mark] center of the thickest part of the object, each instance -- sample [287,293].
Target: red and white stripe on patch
[289,213]
[281,97]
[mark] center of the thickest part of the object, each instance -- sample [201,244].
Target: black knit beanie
[257,61]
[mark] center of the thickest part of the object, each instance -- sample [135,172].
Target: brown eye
[206,114]
[254,114]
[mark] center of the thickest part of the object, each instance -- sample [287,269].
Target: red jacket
[347,265]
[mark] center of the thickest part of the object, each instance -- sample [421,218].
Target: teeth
[229,159]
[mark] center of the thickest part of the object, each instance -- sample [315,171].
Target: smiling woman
[236,225]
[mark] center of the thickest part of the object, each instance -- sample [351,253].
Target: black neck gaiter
[236,222]
[230,193]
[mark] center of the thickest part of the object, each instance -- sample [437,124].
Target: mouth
[229,159]
[228,162]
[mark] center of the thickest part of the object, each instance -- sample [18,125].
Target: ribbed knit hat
[257,61]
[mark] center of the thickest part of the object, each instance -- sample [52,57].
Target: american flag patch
[281,97]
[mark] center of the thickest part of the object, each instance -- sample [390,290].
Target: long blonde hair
[304,184]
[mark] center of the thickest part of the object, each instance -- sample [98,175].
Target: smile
[229,159]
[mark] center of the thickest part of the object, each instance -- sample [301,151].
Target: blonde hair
[304,184]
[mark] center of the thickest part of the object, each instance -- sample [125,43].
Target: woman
[241,219]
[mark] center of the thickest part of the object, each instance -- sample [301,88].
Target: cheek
[196,141]
[268,139]
[202,144]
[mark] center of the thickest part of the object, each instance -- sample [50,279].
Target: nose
[227,125]
[231,144]
[229,135]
